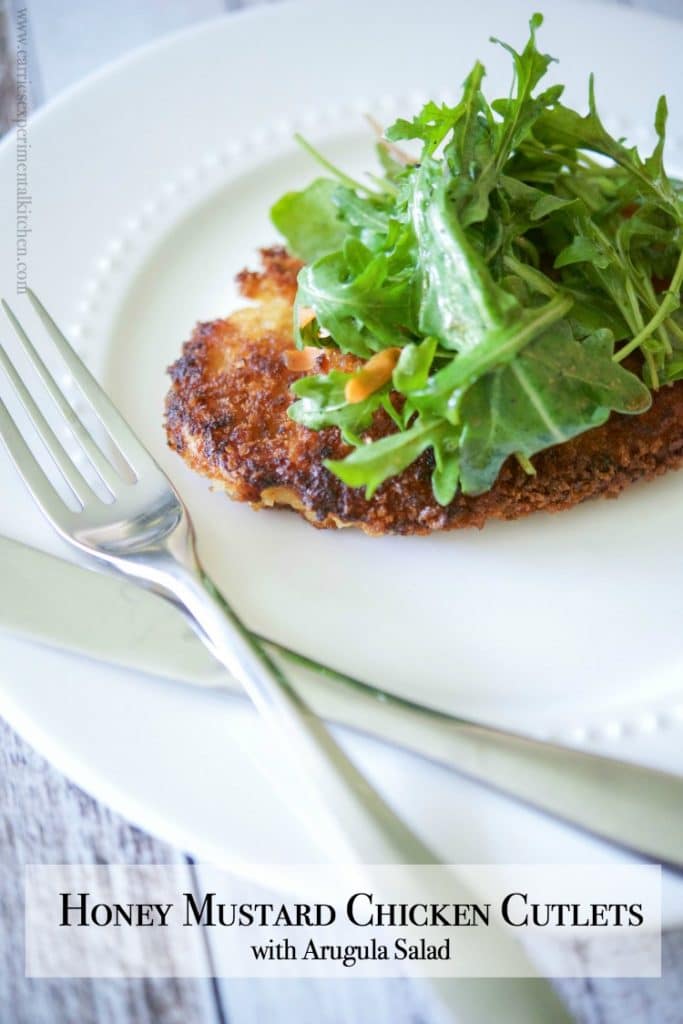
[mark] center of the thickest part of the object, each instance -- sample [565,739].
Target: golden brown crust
[226,414]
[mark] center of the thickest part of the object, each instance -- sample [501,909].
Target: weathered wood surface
[44,818]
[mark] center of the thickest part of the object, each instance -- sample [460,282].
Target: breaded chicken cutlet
[226,415]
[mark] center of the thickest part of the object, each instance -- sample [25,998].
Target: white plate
[151,184]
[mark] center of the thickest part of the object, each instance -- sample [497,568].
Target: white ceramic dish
[151,183]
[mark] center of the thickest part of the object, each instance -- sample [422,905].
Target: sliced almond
[299,360]
[371,377]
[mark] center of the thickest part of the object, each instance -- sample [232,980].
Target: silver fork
[145,533]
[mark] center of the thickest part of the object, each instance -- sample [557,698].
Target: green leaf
[675,369]
[414,364]
[556,389]
[446,473]
[309,220]
[520,111]
[593,310]
[470,154]
[443,392]
[371,464]
[368,215]
[430,126]
[654,165]
[546,205]
[582,250]
[564,127]
[356,297]
[516,266]
[322,403]
[460,303]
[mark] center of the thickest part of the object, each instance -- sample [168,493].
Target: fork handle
[356,819]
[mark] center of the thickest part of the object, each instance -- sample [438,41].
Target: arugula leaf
[446,473]
[358,299]
[517,264]
[322,403]
[521,111]
[460,302]
[371,464]
[556,389]
[469,155]
[443,392]
[309,220]
[564,127]
[430,126]
[412,370]
[368,218]
[582,250]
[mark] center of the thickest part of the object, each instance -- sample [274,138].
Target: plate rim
[59,755]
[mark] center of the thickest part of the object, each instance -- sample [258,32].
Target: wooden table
[45,818]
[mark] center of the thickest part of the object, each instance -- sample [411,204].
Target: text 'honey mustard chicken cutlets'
[227,417]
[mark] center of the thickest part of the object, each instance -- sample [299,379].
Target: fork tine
[46,496]
[128,444]
[63,462]
[97,459]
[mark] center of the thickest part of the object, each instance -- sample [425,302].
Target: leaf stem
[329,166]
[670,302]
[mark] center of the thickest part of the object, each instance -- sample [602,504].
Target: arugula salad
[507,288]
